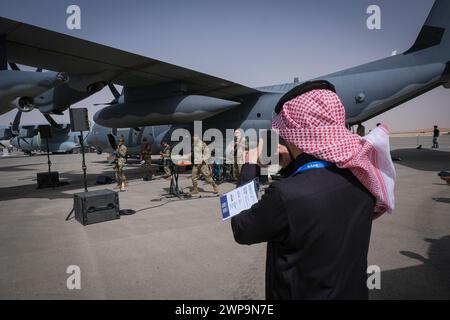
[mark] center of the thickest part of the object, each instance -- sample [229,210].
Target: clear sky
[252,42]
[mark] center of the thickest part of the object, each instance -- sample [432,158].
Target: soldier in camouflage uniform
[146,157]
[200,166]
[239,148]
[165,156]
[119,164]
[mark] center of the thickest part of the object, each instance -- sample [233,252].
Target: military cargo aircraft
[62,140]
[104,139]
[159,93]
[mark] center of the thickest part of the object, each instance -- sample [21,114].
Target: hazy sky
[254,43]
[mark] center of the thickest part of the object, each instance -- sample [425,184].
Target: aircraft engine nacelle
[24,104]
[90,83]
[95,87]
[20,87]
[173,110]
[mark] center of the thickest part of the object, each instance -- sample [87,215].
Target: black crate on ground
[96,206]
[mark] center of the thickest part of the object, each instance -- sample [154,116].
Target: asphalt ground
[180,249]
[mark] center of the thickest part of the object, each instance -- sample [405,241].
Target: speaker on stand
[90,206]
[79,121]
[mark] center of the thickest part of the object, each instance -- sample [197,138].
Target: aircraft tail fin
[436,30]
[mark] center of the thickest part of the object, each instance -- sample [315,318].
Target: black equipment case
[96,206]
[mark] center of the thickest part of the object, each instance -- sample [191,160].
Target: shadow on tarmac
[22,167]
[428,280]
[444,200]
[70,180]
[423,159]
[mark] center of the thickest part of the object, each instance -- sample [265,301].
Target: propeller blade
[114,91]
[112,141]
[52,121]
[24,140]
[1,144]
[104,104]
[13,66]
[16,123]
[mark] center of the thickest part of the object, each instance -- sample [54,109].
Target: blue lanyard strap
[313,165]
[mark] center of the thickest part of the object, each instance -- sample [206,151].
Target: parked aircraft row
[161,96]
[101,139]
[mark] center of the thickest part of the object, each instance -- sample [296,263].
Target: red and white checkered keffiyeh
[315,123]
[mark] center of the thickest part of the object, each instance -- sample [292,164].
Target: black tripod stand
[83,163]
[48,179]
[48,157]
[174,188]
[83,167]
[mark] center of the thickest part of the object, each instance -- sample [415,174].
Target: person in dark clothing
[317,219]
[436,137]
[250,169]
[317,225]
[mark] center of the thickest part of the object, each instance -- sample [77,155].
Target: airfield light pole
[83,164]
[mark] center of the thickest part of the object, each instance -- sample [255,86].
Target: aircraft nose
[96,115]
[90,138]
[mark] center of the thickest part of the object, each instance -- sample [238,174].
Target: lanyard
[313,165]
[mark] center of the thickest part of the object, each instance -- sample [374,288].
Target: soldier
[239,148]
[200,166]
[165,156]
[119,164]
[146,158]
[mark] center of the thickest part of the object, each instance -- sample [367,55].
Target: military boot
[194,189]
[216,190]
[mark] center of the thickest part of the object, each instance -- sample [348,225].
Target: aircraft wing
[30,45]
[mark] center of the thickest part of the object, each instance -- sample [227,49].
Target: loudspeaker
[45,131]
[96,206]
[48,179]
[79,120]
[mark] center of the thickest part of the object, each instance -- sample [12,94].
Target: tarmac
[181,249]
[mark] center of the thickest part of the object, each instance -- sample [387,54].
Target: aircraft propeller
[15,67]
[15,130]
[51,121]
[16,123]
[112,141]
[116,95]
